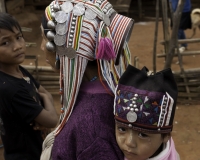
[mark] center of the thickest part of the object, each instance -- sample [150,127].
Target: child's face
[12,47]
[137,145]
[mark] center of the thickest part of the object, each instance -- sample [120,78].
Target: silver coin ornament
[131,116]
[51,24]
[50,35]
[50,47]
[61,50]
[67,7]
[106,19]
[61,17]
[59,40]
[71,53]
[89,14]
[61,28]
[79,9]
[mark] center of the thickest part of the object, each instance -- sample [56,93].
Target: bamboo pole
[180,41]
[185,53]
[174,36]
[2,6]
[155,36]
[164,8]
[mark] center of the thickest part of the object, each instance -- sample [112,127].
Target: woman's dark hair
[8,22]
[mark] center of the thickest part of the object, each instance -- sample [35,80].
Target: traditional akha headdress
[145,102]
[82,30]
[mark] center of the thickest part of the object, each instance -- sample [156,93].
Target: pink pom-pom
[105,49]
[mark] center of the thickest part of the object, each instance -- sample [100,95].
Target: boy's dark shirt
[19,106]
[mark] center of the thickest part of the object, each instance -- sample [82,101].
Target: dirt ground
[186,131]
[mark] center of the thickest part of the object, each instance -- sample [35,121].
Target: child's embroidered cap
[146,103]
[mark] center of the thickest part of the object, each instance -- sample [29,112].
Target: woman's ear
[166,137]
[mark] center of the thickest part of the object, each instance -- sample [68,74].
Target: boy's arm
[48,117]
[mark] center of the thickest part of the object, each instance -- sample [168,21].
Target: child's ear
[166,137]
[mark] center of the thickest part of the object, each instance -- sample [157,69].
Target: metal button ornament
[61,28]
[67,7]
[79,9]
[89,14]
[51,24]
[50,35]
[59,40]
[61,17]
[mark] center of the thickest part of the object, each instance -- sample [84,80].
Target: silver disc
[71,53]
[79,9]
[61,17]
[131,116]
[61,50]
[61,28]
[89,14]
[106,19]
[59,40]
[67,7]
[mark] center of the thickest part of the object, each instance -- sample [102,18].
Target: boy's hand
[45,131]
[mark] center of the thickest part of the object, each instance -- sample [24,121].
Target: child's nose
[17,45]
[131,139]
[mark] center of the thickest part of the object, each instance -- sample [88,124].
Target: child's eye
[19,37]
[121,129]
[4,43]
[143,135]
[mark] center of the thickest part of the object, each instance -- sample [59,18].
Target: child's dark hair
[8,22]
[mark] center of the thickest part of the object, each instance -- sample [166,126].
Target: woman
[87,42]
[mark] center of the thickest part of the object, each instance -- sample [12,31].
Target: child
[21,112]
[144,112]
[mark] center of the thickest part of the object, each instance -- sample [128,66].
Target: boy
[21,112]
[144,112]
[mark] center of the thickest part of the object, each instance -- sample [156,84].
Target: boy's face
[12,47]
[137,145]
[50,57]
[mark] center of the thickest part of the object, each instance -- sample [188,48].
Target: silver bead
[51,24]
[56,7]
[50,35]
[53,15]
[50,47]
